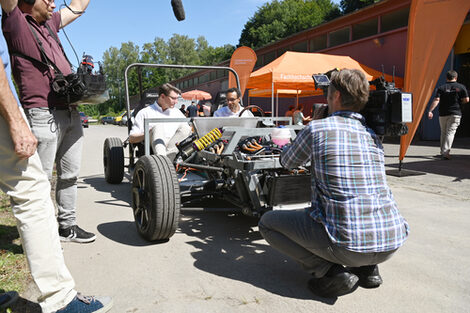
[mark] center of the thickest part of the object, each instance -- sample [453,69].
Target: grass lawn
[14,272]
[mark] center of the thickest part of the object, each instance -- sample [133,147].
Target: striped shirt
[350,195]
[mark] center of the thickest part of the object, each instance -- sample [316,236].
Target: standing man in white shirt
[163,136]
[233,107]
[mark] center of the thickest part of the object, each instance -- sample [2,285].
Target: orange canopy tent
[196,95]
[294,70]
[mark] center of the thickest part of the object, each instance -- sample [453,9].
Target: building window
[268,57]
[338,37]
[204,78]
[220,73]
[213,75]
[282,50]
[364,29]
[318,43]
[300,47]
[259,61]
[394,20]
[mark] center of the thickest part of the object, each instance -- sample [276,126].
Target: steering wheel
[252,106]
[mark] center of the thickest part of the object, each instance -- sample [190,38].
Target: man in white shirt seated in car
[233,107]
[163,136]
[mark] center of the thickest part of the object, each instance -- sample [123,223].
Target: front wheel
[155,197]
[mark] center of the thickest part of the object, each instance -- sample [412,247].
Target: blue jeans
[297,235]
[60,140]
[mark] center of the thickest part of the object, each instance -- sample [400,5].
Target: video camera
[387,110]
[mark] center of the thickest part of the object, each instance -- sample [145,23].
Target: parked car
[123,121]
[118,119]
[107,120]
[84,119]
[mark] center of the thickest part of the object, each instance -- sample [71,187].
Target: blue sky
[109,23]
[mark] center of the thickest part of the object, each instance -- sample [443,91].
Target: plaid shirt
[350,195]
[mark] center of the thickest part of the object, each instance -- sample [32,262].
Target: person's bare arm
[24,141]
[8,5]
[433,106]
[67,16]
[464,100]
[136,138]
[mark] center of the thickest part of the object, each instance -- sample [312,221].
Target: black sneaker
[88,305]
[369,276]
[7,299]
[76,234]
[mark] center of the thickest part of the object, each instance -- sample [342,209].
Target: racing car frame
[233,159]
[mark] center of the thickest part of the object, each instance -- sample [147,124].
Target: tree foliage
[279,19]
[348,6]
[179,49]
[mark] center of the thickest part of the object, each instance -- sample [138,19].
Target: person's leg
[297,235]
[43,126]
[29,189]
[182,133]
[68,159]
[157,141]
[443,126]
[452,123]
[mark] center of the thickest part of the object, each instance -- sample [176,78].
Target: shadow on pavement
[230,247]
[458,167]
[124,232]
[117,192]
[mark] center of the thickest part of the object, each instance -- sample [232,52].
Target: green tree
[209,55]
[279,19]
[348,6]
[179,49]
[115,62]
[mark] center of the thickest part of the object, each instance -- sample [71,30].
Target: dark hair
[167,88]
[353,87]
[239,93]
[29,2]
[451,75]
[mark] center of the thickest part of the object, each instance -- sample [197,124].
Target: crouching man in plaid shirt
[353,223]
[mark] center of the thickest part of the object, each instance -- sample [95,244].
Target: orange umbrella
[196,95]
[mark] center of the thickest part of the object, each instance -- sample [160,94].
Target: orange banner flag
[433,27]
[243,61]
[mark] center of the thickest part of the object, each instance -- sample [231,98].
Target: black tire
[155,197]
[113,160]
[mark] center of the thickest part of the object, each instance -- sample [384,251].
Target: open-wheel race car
[233,159]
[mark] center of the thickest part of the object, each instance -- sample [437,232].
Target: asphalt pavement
[218,261]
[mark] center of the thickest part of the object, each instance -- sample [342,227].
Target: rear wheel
[113,160]
[155,197]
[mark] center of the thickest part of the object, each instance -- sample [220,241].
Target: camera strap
[48,62]
[54,35]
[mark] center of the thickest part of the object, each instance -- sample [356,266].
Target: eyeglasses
[48,2]
[173,98]
[231,99]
